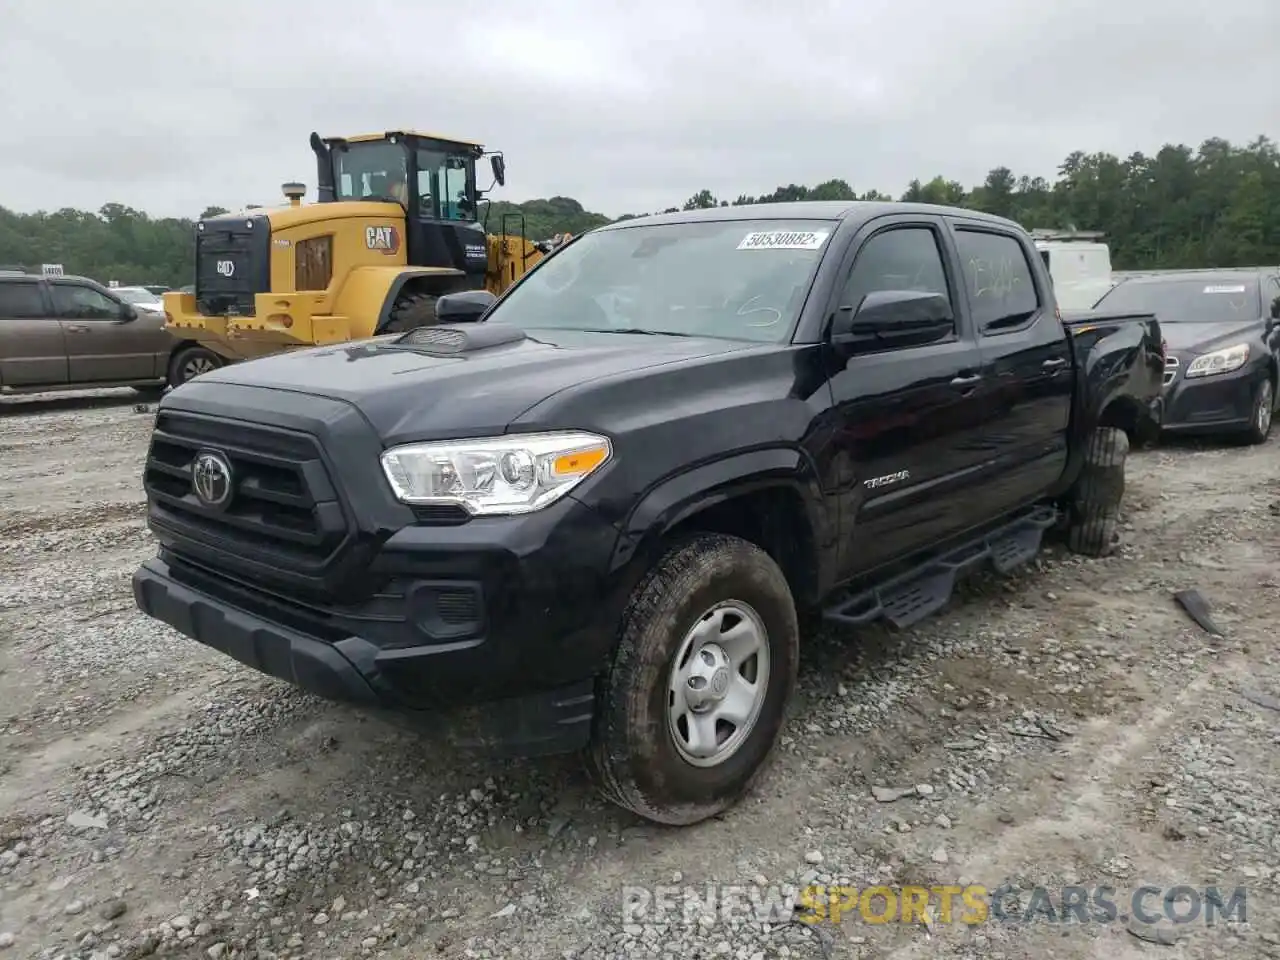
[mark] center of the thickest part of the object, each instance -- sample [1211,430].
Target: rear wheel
[694,701]
[1264,402]
[410,311]
[1094,506]
[189,362]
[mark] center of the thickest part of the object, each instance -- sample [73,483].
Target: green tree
[1217,204]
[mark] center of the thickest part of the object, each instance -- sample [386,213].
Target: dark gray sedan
[1222,339]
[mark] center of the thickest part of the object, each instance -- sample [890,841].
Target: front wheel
[705,665]
[1264,402]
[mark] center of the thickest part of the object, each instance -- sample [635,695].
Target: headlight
[519,473]
[1220,361]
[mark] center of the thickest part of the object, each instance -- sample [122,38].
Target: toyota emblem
[211,478]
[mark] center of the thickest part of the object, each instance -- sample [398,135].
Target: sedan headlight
[1220,361]
[519,473]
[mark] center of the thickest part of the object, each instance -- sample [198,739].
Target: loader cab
[433,178]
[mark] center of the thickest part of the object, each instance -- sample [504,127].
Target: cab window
[446,185]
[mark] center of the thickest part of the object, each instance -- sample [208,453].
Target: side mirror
[499,167]
[128,312]
[889,318]
[465,307]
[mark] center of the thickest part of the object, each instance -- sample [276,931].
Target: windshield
[728,279]
[367,171]
[1199,301]
[137,296]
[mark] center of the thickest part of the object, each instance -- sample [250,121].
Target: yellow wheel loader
[396,226]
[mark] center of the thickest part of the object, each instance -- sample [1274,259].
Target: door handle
[967,380]
[77,328]
[1054,364]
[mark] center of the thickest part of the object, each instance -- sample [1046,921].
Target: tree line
[1183,207]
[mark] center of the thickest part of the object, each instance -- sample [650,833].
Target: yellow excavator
[397,225]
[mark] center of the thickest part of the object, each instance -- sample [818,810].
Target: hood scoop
[453,341]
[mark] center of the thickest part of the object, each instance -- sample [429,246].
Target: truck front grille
[283,509]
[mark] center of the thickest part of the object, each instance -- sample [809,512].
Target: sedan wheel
[1263,406]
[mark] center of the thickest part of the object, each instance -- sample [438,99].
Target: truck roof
[841,210]
[363,137]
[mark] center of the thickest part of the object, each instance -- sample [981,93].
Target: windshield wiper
[649,333]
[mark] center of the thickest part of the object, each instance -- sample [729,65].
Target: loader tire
[189,362]
[1094,507]
[410,311]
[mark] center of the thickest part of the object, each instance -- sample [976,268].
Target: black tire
[1260,414]
[189,362]
[1094,505]
[410,311]
[633,756]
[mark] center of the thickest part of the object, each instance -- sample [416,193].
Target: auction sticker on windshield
[783,240]
[1233,289]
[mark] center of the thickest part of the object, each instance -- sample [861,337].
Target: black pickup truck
[594,514]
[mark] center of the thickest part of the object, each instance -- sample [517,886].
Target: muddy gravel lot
[1068,727]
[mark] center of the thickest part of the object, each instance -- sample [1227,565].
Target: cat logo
[383,239]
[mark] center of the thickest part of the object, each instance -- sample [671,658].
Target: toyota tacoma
[594,514]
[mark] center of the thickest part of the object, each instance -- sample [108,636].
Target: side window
[997,275]
[20,299]
[901,258]
[83,303]
[442,185]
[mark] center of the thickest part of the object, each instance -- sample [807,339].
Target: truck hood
[1201,337]
[409,395]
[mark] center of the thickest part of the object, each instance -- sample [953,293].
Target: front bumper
[514,673]
[1221,403]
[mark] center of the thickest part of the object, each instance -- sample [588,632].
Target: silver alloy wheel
[196,366]
[719,678]
[1265,402]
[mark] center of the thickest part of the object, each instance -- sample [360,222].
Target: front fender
[680,496]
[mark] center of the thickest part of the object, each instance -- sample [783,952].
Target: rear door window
[20,300]
[998,279]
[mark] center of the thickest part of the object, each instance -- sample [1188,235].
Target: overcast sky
[629,107]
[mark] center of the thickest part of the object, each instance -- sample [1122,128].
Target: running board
[910,597]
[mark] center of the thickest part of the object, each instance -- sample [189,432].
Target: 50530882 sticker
[784,240]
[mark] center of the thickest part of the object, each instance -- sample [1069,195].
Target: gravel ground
[1066,726]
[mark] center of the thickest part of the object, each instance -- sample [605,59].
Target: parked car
[1222,328]
[140,297]
[586,520]
[72,333]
